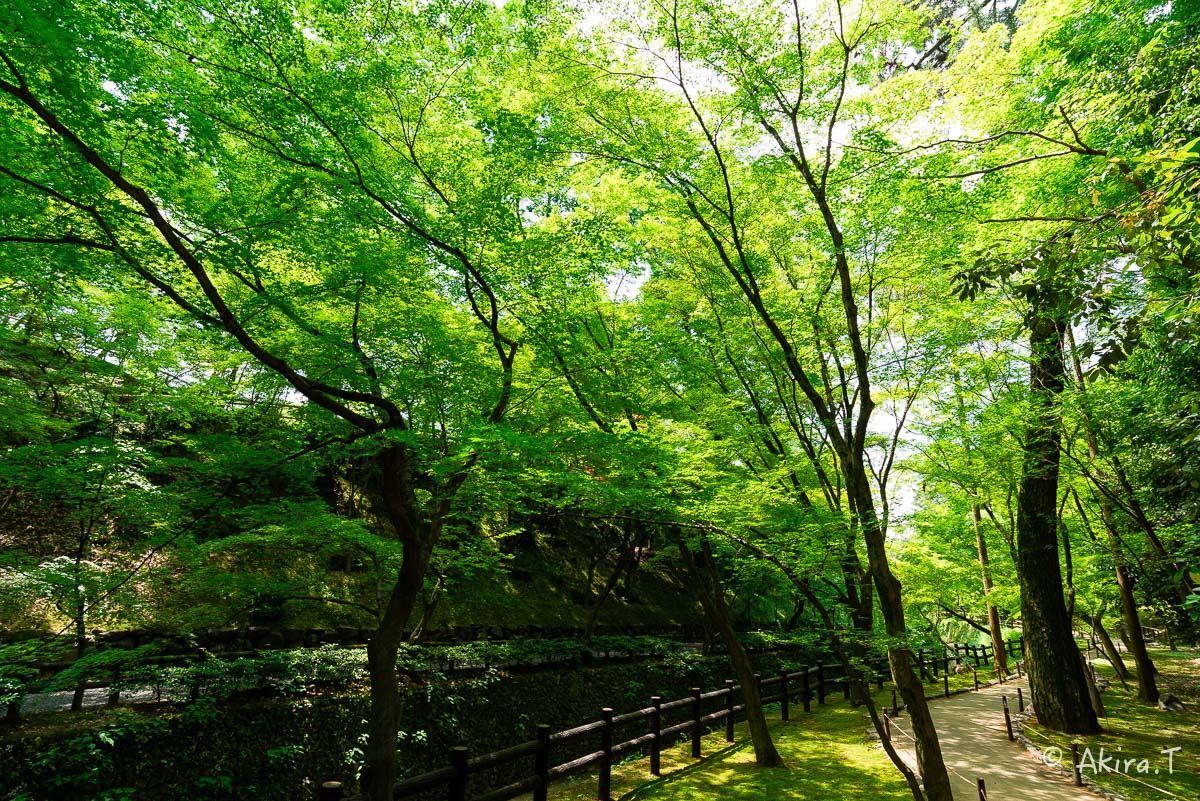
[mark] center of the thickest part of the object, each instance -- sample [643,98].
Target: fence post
[946,684]
[934,663]
[820,683]
[606,740]
[729,710]
[1007,718]
[805,688]
[895,708]
[1020,699]
[783,699]
[541,763]
[975,674]
[887,726]
[695,723]
[656,730]
[330,791]
[1075,764]
[982,789]
[921,664]
[880,670]
[458,780]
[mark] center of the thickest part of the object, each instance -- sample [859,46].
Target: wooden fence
[701,711]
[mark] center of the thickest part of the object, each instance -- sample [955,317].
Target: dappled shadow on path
[975,745]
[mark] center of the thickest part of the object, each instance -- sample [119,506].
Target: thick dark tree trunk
[985,571]
[1057,684]
[379,770]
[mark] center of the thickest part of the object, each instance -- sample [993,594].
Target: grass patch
[1137,731]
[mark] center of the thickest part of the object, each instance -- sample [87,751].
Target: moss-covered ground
[829,755]
[1135,731]
[827,752]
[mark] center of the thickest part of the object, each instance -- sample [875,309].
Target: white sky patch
[177,127]
[626,284]
[1158,12]
[114,89]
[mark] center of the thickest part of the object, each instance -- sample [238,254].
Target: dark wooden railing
[702,711]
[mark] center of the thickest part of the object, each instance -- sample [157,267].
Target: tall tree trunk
[430,606]
[993,613]
[711,595]
[985,571]
[1093,690]
[80,650]
[417,532]
[887,587]
[847,432]
[836,632]
[1147,688]
[1057,684]
[80,604]
[1096,621]
[379,772]
[626,558]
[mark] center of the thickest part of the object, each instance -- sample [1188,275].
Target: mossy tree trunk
[1057,683]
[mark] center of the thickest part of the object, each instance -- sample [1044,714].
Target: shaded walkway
[975,745]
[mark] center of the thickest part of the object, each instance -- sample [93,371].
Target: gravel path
[61,701]
[975,745]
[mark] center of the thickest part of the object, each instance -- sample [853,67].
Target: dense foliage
[878,321]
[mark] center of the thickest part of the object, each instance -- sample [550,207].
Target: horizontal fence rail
[702,711]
